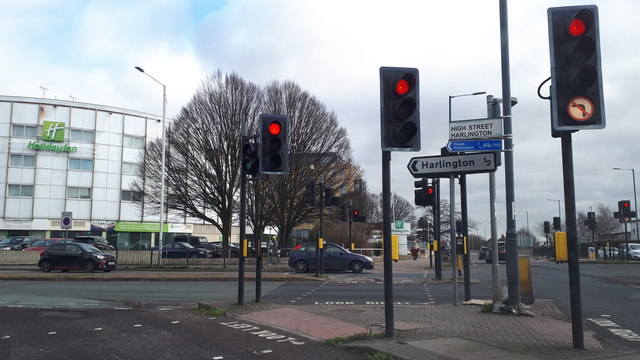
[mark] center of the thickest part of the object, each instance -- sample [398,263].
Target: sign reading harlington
[475,129]
[444,166]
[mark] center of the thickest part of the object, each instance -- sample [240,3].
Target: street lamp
[635,199]
[164,111]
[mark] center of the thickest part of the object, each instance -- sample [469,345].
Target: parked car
[482,254]
[502,253]
[18,242]
[200,242]
[632,252]
[75,256]
[44,243]
[606,252]
[232,251]
[176,249]
[303,258]
[95,241]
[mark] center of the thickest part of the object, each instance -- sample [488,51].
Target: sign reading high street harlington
[444,166]
[475,129]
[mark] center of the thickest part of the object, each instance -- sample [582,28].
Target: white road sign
[475,129]
[444,166]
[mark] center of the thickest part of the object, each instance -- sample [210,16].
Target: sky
[87,50]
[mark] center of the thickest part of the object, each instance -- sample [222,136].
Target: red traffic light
[577,27]
[355,212]
[275,128]
[402,87]
[430,190]
[626,204]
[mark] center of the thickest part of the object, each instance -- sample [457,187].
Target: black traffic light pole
[436,229]
[465,235]
[386,243]
[242,220]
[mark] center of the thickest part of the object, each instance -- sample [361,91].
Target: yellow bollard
[562,254]
[395,248]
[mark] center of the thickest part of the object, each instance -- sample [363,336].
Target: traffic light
[459,227]
[624,211]
[557,226]
[591,220]
[399,109]
[577,100]
[250,158]
[309,197]
[424,194]
[328,196]
[357,217]
[547,227]
[274,144]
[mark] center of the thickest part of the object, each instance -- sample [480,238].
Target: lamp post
[559,214]
[635,198]
[164,111]
[463,196]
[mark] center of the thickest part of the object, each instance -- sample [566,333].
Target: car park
[502,253]
[176,249]
[303,258]
[18,242]
[67,256]
[44,243]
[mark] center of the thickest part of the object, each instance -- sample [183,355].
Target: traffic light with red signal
[577,100]
[424,193]
[274,144]
[399,109]
[624,213]
[356,216]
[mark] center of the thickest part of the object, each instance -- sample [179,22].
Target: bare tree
[316,138]
[203,153]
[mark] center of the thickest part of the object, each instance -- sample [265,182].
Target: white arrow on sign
[444,166]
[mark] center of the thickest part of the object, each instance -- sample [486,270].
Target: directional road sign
[475,129]
[474,145]
[444,166]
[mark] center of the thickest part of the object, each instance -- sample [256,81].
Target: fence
[147,258]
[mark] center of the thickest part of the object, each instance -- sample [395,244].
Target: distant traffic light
[591,220]
[547,227]
[309,196]
[430,195]
[624,211]
[399,109]
[357,217]
[557,226]
[274,144]
[250,158]
[577,100]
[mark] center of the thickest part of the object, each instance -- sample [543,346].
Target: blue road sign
[474,145]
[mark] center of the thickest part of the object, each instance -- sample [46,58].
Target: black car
[75,256]
[502,253]
[482,254]
[303,257]
[177,249]
[18,242]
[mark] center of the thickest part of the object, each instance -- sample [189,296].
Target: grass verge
[208,310]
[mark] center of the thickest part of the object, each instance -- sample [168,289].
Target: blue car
[303,257]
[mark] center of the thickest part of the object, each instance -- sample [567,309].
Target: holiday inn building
[64,156]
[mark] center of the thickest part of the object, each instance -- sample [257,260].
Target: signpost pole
[386,243]
[452,225]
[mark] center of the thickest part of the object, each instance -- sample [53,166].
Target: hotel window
[133,141]
[128,195]
[21,190]
[78,193]
[80,164]
[23,161]
[25,131]
[130,168]
[82,135]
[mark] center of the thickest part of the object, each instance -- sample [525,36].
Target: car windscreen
[43,243]
[88,248]
[11,241]
[634,246]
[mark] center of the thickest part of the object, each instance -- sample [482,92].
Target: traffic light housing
[577,100]
[309,197]
[557,226]
[250,157]
[356,216]
[547,227]
[591,220]
[274,144]
[424,194]
[624,211]
[399,109]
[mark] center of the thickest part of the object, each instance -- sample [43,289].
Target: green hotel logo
[53,131]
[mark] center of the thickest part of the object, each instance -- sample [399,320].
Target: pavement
[427,331]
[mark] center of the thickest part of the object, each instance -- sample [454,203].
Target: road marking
[51,333]
[137,325]
[175,322]
[615,329]
[6,337]
[97,329]
[266,334]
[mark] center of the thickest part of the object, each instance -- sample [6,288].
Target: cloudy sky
[333,48]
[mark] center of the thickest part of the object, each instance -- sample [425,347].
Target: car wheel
[65,270]
[45,266]
[301,266]
[356,266]
[89,267]
[106,270]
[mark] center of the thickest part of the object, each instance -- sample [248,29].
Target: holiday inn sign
[52,131]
